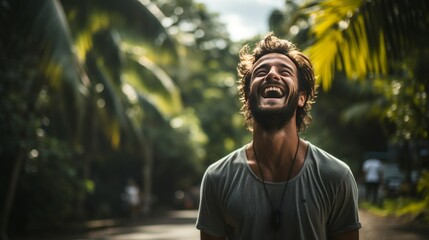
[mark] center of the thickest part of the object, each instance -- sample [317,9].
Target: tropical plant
[90,69]
[208,86]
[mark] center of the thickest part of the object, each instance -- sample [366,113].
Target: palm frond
[44,21]
[147,78]
[364,36]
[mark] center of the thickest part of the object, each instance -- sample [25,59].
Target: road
[180,225]
[177,225]
[389,228]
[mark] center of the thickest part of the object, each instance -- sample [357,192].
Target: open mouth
[273,92]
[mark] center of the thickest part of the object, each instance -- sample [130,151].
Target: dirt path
[180,225]
[388,228]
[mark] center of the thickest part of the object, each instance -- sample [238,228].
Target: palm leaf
[156,85]
[45,22]
[133,19]
[109,66]
[63,56]
[363,37]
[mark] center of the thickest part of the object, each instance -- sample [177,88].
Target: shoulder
[328,165]
[227,165]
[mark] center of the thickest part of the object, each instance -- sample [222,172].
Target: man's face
[273,96]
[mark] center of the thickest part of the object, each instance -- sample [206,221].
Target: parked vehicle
[393,178]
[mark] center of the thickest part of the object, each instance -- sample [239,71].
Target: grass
[409,208]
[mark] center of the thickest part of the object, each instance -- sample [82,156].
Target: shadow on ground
[157,223]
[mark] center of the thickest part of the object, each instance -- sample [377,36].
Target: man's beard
[273,119]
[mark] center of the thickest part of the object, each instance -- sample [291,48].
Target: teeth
[273,89]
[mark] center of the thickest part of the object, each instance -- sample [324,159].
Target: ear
[302,99]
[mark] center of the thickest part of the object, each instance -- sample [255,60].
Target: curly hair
[306,78]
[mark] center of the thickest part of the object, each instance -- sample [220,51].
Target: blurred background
[113,109]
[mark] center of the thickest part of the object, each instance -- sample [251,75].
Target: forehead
[277,59]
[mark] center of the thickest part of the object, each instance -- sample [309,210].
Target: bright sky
[244,18]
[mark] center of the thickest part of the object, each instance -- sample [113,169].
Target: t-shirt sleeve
[210,215]
[344,215]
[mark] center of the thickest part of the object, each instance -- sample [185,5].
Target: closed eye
[259,73]
[286,72]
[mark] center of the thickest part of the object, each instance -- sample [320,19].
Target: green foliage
[339,115]
[394,207]
[48,190]
[412,209]
[109,176]
[208,84]
[66,100]
[423,187]
[49,173]
[405,95]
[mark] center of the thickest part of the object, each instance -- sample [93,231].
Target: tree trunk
[10,195]
[147,176]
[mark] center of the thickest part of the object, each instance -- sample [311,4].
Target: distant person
[132,198]
[278,186]
[373,171]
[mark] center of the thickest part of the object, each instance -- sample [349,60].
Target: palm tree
[101,63]
[361,38]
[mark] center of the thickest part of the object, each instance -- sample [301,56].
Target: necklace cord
[288,178]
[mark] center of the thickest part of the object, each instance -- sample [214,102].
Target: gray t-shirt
[320,201]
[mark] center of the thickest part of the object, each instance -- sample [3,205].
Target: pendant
[275,219]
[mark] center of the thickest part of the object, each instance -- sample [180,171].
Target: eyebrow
[282,65]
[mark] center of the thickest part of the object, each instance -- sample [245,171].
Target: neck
[276,146]
[276,151]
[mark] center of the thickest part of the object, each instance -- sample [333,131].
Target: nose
[273,74]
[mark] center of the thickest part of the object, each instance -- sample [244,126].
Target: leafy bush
[50,188]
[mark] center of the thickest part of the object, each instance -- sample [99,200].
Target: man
[132,198]
[278,186]
[373,170]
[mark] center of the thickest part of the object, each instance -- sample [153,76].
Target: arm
[206,236]
[210,217]
[348,235]
[344,222]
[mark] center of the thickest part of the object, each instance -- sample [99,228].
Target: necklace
[276,214]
